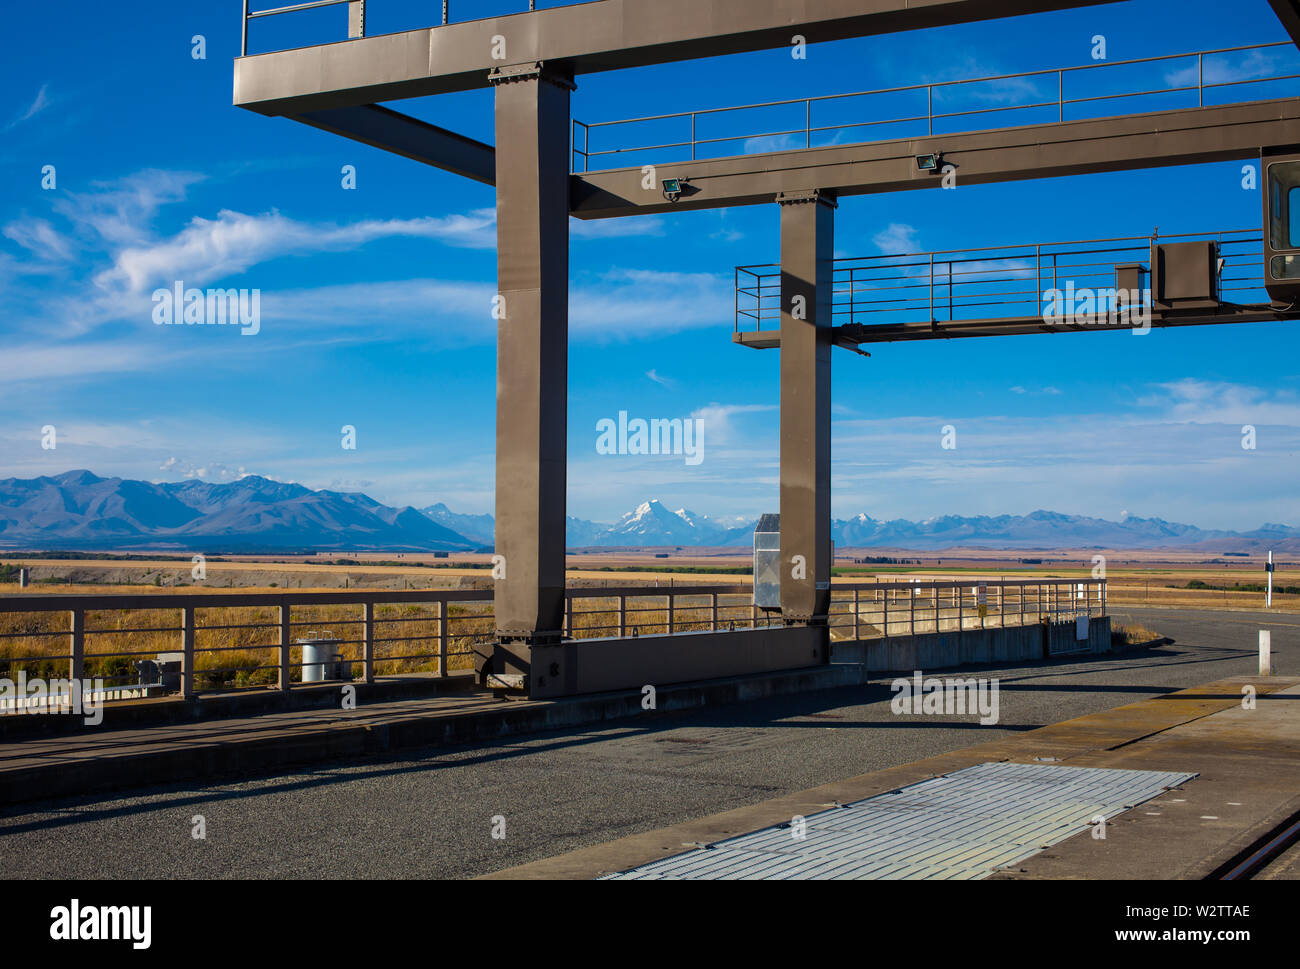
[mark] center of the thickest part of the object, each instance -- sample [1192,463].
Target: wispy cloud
[39,104]
[896,239]
[209,250]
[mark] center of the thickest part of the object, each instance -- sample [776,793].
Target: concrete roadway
[429,814]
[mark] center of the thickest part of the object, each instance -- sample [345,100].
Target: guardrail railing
[357,14]
[1034,97]
[990,282]
[231,641]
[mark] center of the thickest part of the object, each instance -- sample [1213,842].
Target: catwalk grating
[964,825]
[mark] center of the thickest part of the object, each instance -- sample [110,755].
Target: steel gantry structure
[531,60]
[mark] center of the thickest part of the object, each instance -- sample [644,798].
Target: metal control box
[767,562]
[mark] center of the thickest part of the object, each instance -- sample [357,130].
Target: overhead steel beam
[409,137]
[1185,136]
[582,38]
[1288,12]
[850,335]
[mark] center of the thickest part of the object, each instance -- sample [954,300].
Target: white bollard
[1265,653]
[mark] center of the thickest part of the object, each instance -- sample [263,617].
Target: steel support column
[807,248]
[532,180]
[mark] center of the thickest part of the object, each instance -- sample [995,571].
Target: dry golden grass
[230,655]
[1130,633]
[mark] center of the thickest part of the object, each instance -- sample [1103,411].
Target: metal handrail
[930,116]
[672,608]
[313,4]
[975,278]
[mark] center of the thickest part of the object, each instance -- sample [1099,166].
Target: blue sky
[376,301]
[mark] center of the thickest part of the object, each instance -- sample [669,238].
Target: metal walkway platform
[965,826]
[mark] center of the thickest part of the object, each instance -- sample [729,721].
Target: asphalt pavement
[434,813]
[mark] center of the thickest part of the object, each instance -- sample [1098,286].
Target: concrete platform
[159,746]
[1248,762]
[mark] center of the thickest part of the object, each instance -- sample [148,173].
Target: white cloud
[39,104]
[120,212]
[1210,402]
[212,471]
[208,250]
[39,238]
[896,238]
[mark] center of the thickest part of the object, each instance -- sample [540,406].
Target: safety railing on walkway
[992,282]
[886,610]
[229,641]
[1229,75]
[357,23]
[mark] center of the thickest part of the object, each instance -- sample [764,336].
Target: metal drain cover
[963,825]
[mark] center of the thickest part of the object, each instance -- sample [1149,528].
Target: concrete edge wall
[1014,644]
[589,666]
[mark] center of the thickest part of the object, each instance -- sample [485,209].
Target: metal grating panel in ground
[963,825]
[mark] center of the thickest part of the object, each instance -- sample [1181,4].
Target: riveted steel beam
[587,38]
[409,137]
[1182,137]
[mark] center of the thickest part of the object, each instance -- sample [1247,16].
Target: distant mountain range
[81,511]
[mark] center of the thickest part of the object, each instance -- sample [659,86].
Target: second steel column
[807,248]
[532,307]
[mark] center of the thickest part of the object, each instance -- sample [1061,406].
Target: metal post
[886,620]
[807,250]
[76,644]
[929,108]
[932,287]
[444,607]
[912,614]
[672,622]
[368,642]
[1060,93]
[445,4]
[857,614]
[187,652]
[692,136]
[713,621]
[286,632]
[243,43]
[532,309]
[622,616]
[356,19]
[1200,80]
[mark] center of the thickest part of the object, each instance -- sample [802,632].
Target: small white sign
[1081,628]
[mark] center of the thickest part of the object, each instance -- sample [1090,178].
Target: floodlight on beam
[929,163]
